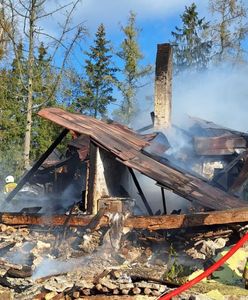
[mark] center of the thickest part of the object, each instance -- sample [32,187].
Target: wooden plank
[36,166]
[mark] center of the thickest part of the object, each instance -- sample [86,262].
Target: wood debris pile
[38,262]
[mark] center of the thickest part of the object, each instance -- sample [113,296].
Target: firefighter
[9,184]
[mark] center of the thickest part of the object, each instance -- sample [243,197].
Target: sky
[156,19]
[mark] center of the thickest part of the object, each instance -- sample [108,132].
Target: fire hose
[207,272]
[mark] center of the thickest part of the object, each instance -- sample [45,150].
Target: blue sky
[221,96]
[155,18]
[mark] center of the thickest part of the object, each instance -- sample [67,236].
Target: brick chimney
[163,87]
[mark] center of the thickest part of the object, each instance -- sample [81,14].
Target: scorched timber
[137,222]
[126,146]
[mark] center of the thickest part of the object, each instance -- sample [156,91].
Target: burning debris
[80,225]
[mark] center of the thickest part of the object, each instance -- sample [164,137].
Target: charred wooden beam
[36,166]
[136,182]
[164,201]
[138,222]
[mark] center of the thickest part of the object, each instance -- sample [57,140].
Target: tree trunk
[27,141]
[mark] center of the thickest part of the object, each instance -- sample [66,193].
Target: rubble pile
[39,262]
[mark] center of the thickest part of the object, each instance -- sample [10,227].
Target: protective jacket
[9,187]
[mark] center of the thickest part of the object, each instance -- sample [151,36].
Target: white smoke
[219,95]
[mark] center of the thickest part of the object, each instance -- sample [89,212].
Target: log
[76,294]
[191,220]
[86,292]
[136,291]
[139,222]
[147,291]
[35,219]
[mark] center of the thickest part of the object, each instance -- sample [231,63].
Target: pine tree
[100,78]
[131,56]
[191,50]
[229,30]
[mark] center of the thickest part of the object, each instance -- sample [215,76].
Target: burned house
[100,176]
[104,160]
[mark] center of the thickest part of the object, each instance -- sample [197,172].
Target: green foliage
[176,270]
[97,87]
[9,128]
[13,95]
[131,56]
[191,49]
[43,131]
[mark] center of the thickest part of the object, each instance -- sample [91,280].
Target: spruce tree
[131,57]
[100,78]
[191,50]
[43,132]
[12,117]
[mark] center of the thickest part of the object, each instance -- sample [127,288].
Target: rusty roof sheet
[126,146]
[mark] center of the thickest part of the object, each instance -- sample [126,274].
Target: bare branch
[13,9]
[25,7]
[51,37]
[67,21]
[54,11]
[58,79]
[11,35]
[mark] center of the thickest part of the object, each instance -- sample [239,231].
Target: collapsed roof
[127,147]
